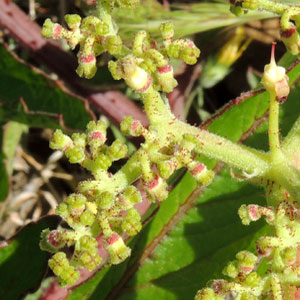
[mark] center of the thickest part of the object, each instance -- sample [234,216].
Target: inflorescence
[103,210]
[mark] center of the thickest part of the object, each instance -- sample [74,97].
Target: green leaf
[42,96]
[196,231]
[23,255]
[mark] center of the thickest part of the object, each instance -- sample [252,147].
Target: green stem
[277,8]
[273,131]
[249,160]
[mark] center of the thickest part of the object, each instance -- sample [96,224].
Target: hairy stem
[273,132]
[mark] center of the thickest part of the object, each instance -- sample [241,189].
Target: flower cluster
[149,62]
[279,251]
[289,21]
[103,210]
[95,209]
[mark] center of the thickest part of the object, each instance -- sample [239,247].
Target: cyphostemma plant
[104,206]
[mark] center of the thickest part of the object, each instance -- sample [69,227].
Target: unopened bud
[87,66]
[291,39]
[117,249]
[132,127]
[275,79]
[156,188]
[208,294]
[201,173]
[60,141]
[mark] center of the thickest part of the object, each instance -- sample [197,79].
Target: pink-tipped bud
[97,135]
[54,238]
[291,39]
[201,173]
[254,212]
[117,249]
[156,188]
[56,31]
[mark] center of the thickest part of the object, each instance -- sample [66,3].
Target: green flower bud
[90,261]
[115,70]
[208,294]
[102,28]
[201,173]
[246,261]
[132,127]
[132,195]
[75,154]
[105,200]
[231,270]
[156,189]
[60,141]
[250,4]
[73,21]
[96,131]
[88,24]
[87,218]
[237,10]
[266,244]
[253,280]
[63,211]
[117,249]
[113,44]
[167,30]
[76,203]
[117,150]
[48,28]
[102,162]
[87,66]
[79,139]
[132,222]
[60,266]
[166,168]
[87,243]
[184,49]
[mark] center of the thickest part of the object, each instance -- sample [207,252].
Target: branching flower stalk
[105,205]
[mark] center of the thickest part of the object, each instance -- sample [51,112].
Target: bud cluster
[149,64]
[289,19]
[97,208]
[280,251]
[159,160]
[94,35]
[89,149]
